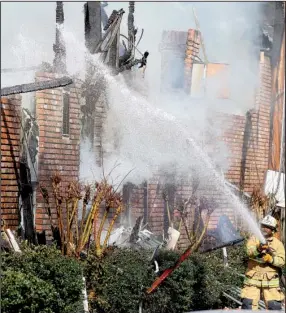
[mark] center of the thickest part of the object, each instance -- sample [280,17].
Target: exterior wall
[173,51]
[278,86]
[156,206]
[247,138]
[57,152]
[217,80]
[256,156]
[10,150]
[210,80]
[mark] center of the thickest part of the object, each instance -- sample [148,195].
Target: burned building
[50,138]
[38,142]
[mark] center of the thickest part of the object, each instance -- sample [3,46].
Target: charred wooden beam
[92,25]
[131,28]
[111,33]
[50,84]
[26,193]
[111,19]
[59,46]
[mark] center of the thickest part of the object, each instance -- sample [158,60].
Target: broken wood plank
[13,241]
[24,88]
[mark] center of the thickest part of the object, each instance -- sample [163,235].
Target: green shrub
[176,292]
[26,293]
[40,280]
[119,281]
[213,278]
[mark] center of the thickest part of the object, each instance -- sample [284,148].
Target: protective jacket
[259,273]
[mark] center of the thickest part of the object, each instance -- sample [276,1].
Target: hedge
[118,282]
[40,280]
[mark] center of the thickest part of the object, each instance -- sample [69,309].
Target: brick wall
[57,152]
[247,138]
[10,150]
[156,211]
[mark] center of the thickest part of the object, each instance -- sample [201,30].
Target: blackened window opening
[66,113]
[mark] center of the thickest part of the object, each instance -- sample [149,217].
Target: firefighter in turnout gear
[262,275]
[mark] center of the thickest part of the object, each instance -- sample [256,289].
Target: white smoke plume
[229,31]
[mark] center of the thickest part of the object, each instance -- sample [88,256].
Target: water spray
[144,108]
[201,155]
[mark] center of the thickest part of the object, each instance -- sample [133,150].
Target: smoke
[131,141]
[230,33]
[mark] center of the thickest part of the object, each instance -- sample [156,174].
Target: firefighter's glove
[262,247]
[267,258]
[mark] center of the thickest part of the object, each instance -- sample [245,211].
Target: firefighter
[263,269]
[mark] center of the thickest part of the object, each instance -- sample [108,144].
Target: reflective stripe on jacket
[262,274]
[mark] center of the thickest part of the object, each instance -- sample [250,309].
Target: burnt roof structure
[59,46]
[92,25]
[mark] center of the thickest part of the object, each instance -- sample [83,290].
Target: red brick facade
[10,150]
[248,137]
[57,152]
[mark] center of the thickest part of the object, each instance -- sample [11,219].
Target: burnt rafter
[130,49]
[26,193]
[59,46]
[131,29]
[111,19]
[50,84]
[111,32]
[108,44]
[102,37]
[128,60]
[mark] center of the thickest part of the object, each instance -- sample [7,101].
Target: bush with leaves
[117,283]
[213,278]
[40,280]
